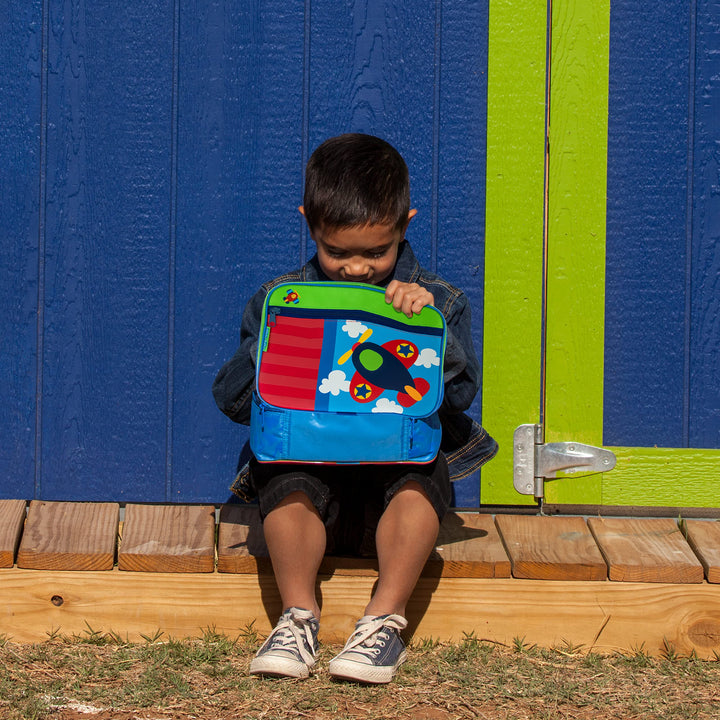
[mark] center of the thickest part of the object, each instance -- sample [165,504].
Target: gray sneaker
[290,649]
[373,652]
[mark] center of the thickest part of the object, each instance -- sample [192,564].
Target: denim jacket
[465,443]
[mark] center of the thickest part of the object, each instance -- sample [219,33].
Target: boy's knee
[296,499]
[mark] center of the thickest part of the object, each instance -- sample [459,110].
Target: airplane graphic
[384,367]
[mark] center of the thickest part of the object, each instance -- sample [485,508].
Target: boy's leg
[290,503]
[405,537]
[295,537]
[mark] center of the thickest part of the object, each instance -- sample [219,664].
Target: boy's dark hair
[354,180]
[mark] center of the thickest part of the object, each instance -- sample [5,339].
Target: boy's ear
[411,215]
[302,212]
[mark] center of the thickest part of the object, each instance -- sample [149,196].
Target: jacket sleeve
[234,384]
[461,371]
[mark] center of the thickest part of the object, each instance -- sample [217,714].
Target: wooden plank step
[646,550]
[600,616]
[704,539]
[468,545]
[168,538]
[551,548]
[12,518]
[69,536]
[241,543]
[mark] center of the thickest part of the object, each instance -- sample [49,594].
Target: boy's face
[364,254]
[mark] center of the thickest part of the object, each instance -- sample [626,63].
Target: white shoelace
[293,631]
[367,633]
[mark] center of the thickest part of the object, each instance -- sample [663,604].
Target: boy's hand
[408,298]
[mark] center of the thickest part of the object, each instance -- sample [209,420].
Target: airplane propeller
[346,356]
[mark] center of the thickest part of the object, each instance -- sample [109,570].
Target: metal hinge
[535,461]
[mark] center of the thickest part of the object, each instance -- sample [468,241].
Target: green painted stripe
[665,477]
[513,232]
[576,235]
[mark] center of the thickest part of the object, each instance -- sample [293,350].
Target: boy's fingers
[390,290]
[408,298]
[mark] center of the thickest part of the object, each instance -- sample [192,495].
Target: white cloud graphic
[335,383]
[354,328]
[427,358]
[385,405]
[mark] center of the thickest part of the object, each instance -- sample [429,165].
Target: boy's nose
[356,268]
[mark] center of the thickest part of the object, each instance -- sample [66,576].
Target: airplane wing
[361,390]
[405,351]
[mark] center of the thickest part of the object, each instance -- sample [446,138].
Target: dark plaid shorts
[349,498]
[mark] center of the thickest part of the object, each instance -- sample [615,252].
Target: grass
[99,676]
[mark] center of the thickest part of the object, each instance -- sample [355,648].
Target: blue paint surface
[662,383]
[20,119]
[152,165]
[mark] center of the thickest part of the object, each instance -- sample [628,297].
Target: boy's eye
[378,253]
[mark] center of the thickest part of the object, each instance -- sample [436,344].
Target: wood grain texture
[239,182]
[704,539]
[665,477]
[241,543]
[513,322]
[659,245]
[647,550]
[605,617]
[460,152]
[12,518]
[468,545]
[69,536]
[108,194]
[574,339]
[542,549]
[20,247]
[703,377]
[162,538]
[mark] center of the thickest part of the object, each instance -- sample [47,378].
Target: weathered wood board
[69,536]
[469,545]
[550,548]
[704,539]
[168,538]
[12,517]
[646,550]
[241,543]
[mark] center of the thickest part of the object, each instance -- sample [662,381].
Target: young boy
[357,207]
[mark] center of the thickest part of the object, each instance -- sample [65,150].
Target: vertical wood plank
[168,538]
[69,536]
[12,518]
[550,548]
[108,133]
[21,33]
[702,375]
[372,70]
[577,177]
[239,183]
[704,539]
[460,135]
[645,550]
[647,198]
[513,232]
